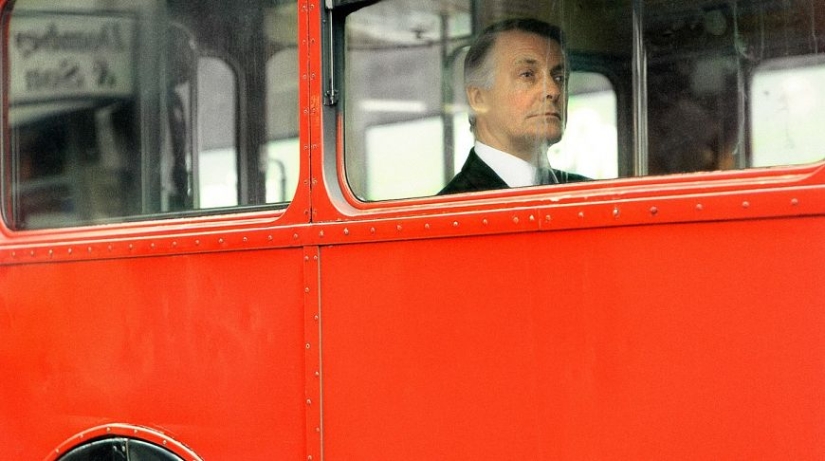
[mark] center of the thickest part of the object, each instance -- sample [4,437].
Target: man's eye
[527,74]
[559,78]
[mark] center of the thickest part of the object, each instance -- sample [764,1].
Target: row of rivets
[346,231]
[131,246]
[616,213]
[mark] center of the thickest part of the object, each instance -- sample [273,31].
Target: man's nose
[551,88]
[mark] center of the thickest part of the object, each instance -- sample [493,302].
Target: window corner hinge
[330,97]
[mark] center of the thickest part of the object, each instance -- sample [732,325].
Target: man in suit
[515,78]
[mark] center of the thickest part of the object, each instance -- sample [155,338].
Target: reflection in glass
[123,110]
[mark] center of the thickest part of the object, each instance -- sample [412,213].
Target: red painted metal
[683,341]
[673,317]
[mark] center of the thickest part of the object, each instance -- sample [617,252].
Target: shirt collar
[513,170]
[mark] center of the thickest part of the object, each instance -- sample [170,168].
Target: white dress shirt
[513,170]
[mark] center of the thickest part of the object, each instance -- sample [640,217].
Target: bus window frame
[344,203]
[282,215]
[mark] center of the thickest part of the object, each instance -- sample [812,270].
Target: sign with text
[55,56]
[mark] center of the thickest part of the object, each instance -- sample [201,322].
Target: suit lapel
[480,175]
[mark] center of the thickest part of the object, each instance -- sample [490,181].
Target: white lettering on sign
[70,56]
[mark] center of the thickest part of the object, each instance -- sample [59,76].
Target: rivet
[220,240]
[321,234]
[581,214]
[699,207]
[197,242]
[131,247]
[309,458]
[794,202]
[515,220]
[746,204]
[315,258]
[89,249]
[547,218]
[616,212]
[317,429]
[306,289]
[309,402]
[317,374]
[485,222]
[152,245]
[455,223]
[109,247]
[51,252]
[269,237]
[31,252]
[532,218]
[164,441]
[372,230]
[307,346]
[346,231]
[108,429]
[654,211]
[70,251]
[13,254]
[245,239]
[317,317]
[427,226]
[398,228]
[295,236]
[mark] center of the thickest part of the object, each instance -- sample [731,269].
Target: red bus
[222,236]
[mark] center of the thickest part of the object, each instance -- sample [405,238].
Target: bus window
[128,110]
[656,88]
[406,113]
[707,64]
[787,101]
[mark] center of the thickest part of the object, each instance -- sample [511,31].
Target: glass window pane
[708,63]
[123,110]
[655,88]
[406,110]
[788,111]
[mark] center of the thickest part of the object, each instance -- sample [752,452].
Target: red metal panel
[680,341]
[207,348]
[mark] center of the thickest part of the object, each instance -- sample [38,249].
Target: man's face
[525,109]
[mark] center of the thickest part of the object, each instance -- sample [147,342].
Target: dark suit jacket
[477,176]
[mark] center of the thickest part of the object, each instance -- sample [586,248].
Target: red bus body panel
[689,341]
[206,347]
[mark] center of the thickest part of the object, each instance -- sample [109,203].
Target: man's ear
[477,99]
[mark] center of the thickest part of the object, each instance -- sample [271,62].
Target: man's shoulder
[475,176]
